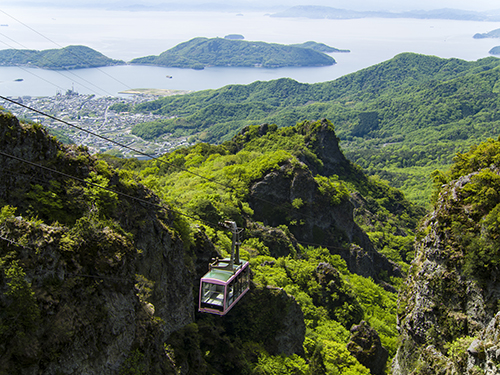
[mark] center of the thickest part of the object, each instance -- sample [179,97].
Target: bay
[126,35]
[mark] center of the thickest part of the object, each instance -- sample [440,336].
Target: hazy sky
[394,5]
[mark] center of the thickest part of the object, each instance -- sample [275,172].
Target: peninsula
[71,57]
[199,53]
[495,51]
[320,47]
[492,34]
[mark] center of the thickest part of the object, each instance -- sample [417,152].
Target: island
[495,50]
[234,37]
[326,12]
[200,52]
[320,47]
[492,34]
[71,57]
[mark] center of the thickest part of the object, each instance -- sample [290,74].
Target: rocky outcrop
[451,295]
[365,345]
[322,140]
[484,352]
[317,220]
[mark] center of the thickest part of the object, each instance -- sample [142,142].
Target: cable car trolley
[226,281]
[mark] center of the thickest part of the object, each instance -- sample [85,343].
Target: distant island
[320,47]
[199,53]
[71,57]
[492,34]
[234,37]
[495,50]
[325,12]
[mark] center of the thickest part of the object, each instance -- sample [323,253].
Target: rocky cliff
[449,303]
[90,283]
[96,275]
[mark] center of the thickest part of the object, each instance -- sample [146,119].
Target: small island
[492,34]
[199,53]
[495,51]
[71,57]
[234,37]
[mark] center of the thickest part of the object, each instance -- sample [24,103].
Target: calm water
[126,35]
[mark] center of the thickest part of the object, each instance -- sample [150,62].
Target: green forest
[398,120]
[71,57]
[200,52]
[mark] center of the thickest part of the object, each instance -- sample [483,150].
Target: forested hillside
[400,119]
[198,53]
[103,258]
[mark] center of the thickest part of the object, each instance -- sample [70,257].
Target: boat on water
[169,76]
[19,80]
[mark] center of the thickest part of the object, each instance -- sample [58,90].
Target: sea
[126,35]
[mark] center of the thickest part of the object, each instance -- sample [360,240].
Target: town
[88,120]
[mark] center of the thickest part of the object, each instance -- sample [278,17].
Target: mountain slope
[398,119]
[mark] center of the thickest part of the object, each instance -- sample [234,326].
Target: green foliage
[332,187]
[278,365]
[321,47]
[457,351]
[47,203]
[96,192]
[200,52]
[331,298]
[121,107]
[329,308]
[338,360]
[21,313]
[474,223]
[7,212]
[143,287]
[133,365]
[380,308]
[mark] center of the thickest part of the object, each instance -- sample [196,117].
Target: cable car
[226,281]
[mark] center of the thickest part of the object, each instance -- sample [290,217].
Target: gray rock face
[318,220]
[484,352]
[441,304]
[365,345]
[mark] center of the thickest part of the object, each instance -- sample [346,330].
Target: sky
[388,5]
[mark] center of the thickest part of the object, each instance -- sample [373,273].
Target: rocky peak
[292,195]
[321,139]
